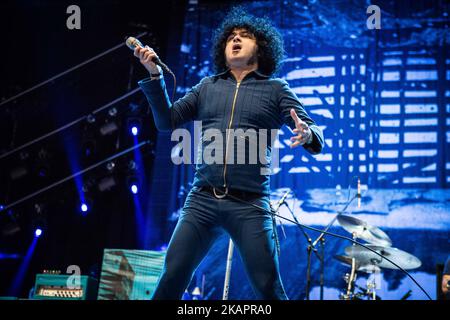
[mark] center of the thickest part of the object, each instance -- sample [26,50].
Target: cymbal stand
[352,277]
[321,238]
[311,248]
[372,285]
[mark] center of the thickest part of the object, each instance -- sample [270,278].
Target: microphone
[282,200]
[132,43]
[359,193]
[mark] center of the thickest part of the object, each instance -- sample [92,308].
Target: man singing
[242,94]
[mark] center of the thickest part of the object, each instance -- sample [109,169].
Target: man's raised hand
[302,130]
[146,55]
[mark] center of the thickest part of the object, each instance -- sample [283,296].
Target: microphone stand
[321,238]
[311,248]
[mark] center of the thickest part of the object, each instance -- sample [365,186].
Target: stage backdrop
[382,98]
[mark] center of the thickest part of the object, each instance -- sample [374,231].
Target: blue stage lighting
[134,189]
[84,207]
[38,232]
[134,130]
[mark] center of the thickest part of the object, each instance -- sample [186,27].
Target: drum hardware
[366,257]
[364,231]
[312,247]
[361,259]
[321,239]
[371,287]
[352,276]
[309,249]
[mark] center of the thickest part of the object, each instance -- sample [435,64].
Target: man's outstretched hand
[304,134]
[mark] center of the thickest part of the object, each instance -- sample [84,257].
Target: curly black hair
[269,40]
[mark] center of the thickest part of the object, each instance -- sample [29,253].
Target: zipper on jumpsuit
[222,194]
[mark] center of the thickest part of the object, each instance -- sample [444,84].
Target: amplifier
[56,287]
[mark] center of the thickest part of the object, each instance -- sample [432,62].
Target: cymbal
[363,230]
[366,257]
[369,268]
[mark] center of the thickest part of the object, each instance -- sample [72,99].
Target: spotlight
[38,232]
[134,130]
[133,184]
[134,126]
[84,207]
[38,219]
[134,189]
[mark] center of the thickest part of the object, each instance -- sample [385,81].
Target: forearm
[156,94]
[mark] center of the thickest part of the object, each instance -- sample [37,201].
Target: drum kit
[361,259]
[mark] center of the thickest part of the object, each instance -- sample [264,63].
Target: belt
[222,193]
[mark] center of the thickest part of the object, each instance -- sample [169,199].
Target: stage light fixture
[106,183]
[18,172]
[38,232]
[110,166]
[9,222]
[109,128]
[134,126]
[112,112]
[10,229]
[84,207]
[132,166]
[134,188]
[133,183]
[134,130]
[90,118]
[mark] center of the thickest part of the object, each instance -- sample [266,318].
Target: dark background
[36,46]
